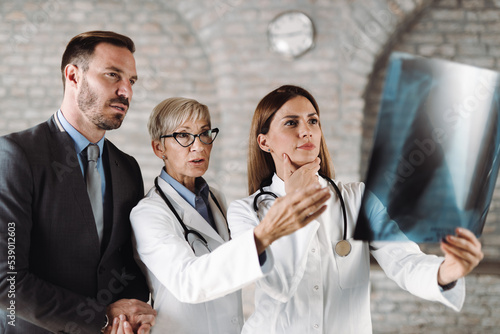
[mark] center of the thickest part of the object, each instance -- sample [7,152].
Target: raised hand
[462,254]
[290,213]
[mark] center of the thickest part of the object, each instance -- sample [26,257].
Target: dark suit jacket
[62,281]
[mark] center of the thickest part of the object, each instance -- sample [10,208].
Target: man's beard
[88,102]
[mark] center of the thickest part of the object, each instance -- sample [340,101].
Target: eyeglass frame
[175,134]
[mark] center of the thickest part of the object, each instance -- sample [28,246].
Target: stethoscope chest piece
[343,248]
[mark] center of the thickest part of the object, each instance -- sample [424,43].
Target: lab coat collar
[190,216]
[219,217]
[278,186]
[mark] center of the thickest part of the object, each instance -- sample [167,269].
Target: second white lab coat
[313,290]
[193,293]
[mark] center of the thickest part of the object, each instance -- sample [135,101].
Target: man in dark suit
[66,264]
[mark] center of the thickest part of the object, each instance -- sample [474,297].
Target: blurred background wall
[217,51]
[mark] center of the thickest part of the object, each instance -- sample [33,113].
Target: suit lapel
[191,218]
[67,169]
[115,183]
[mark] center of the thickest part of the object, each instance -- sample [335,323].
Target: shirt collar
[201,187]
[80,141]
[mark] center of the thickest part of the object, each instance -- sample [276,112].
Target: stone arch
[366,33]
[378,29]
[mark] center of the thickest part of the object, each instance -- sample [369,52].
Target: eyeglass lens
[186,139]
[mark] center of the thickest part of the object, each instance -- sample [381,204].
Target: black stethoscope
[197,237]
[343,247]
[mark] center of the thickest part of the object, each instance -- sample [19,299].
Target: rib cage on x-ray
[434,161]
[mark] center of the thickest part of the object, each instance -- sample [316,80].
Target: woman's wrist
[262,240]
[448,286]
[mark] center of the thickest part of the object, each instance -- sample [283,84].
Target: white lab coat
[193,293]
[313,290]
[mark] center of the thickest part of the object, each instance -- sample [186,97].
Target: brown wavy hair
[260,164]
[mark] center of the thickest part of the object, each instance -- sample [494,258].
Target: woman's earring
[268,150]
[163,157]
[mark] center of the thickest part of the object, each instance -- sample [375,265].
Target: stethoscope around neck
[343,247]
[198,238]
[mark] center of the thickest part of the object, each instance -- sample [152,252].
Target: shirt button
[316,287]
[316,326]
[313,250]
[234,320]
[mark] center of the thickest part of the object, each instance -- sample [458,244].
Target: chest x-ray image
[435,158]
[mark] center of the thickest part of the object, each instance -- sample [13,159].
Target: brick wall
[395,311]
[217,52]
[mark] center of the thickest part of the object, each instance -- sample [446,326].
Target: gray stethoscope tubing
[343,242]
[188,231]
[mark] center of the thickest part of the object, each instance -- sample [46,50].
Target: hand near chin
[299,178]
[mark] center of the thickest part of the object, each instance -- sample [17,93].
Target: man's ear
[158,149]
[262,141]
[72,75]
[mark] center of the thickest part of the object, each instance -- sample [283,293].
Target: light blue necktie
[94,188]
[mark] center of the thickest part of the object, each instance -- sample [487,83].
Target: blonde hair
[260,164]
[172,112]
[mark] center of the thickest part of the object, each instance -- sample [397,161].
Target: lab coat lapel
[219,218]
[191,218]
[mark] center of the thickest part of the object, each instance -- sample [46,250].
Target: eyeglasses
[186,139]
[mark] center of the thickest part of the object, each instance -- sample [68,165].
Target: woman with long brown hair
[194,268]
[320,279]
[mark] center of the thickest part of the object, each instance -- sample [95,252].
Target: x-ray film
[435,158]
